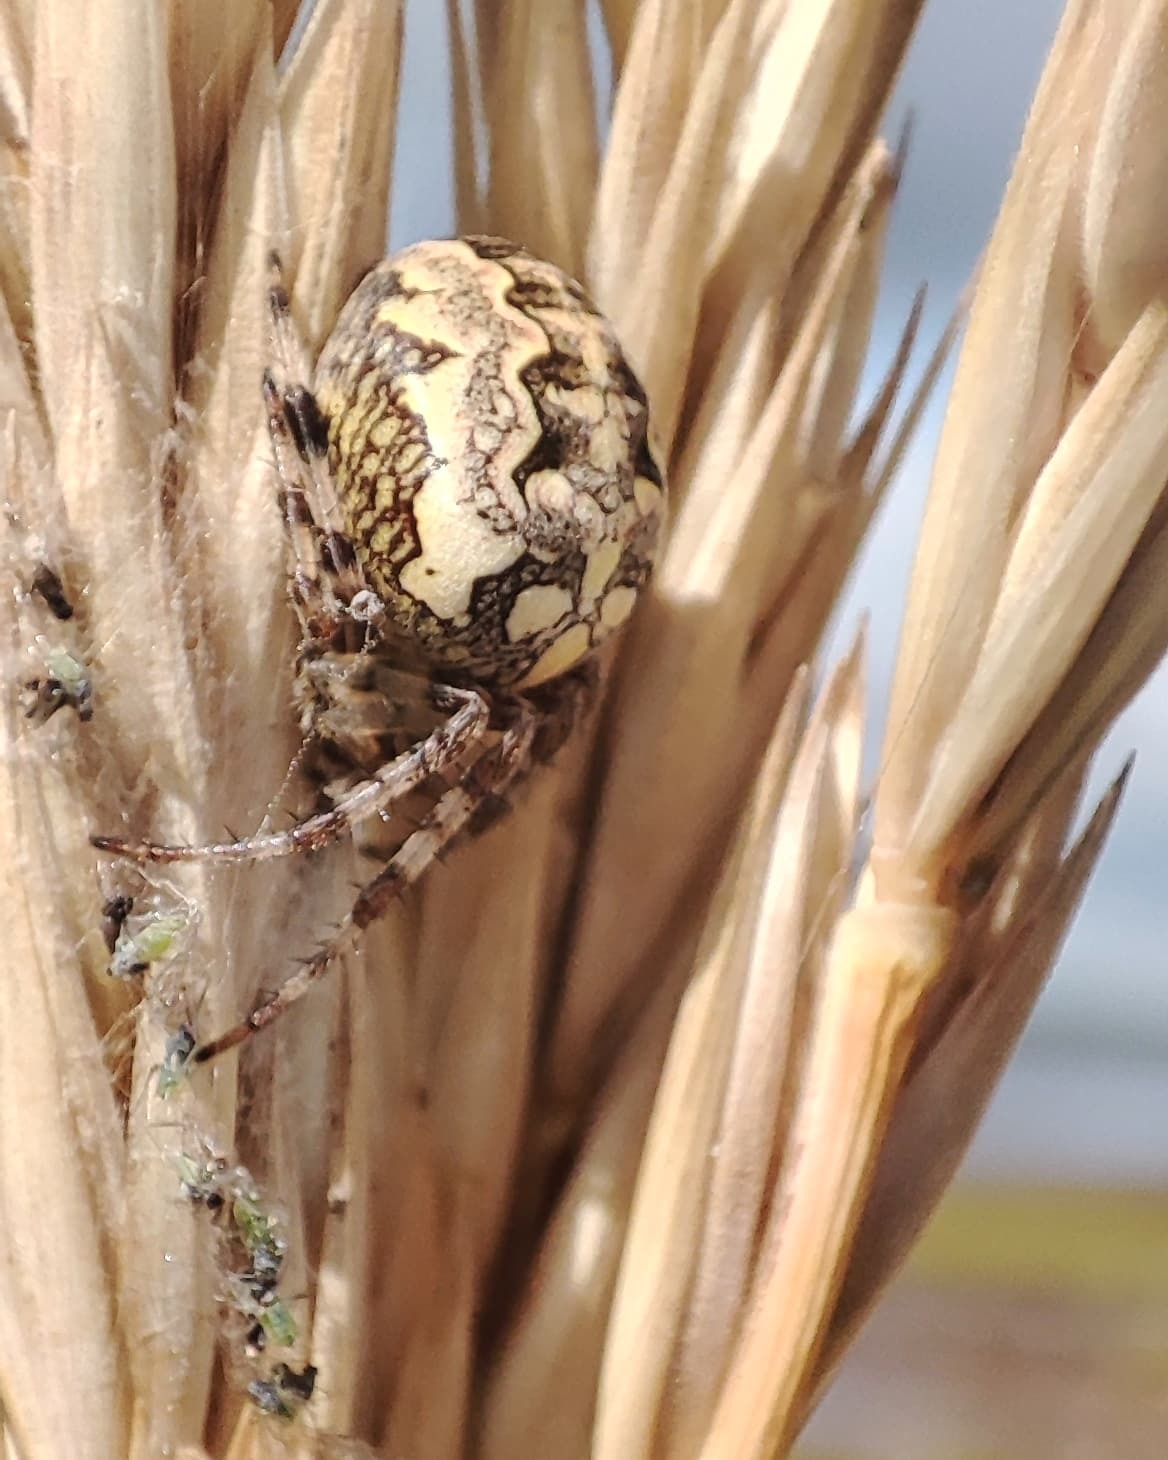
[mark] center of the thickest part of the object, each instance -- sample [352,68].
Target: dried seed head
[489,445]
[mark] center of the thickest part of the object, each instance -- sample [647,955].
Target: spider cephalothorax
[471,504]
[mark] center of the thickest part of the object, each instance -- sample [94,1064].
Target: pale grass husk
[608,1139]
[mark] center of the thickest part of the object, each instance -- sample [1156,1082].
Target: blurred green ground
[1030,1325]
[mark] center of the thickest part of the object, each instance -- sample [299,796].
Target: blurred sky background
[1084,1099]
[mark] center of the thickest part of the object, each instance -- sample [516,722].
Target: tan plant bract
[605,1142]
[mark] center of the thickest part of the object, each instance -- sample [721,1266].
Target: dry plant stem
[1078,524]
[212,51]
[831,406]
[1003,685]
[681,697]
[543,137]
[870,996]
[103,335]
[664,1223]
[1083,518]
[61,1200]
[1123,220]
[467,112]
[108,397]
[1124,648]
[658,306]
[102,317]
[689,1258]
[1075,466]
[16,43]
[537,1394]
[1124,265]
[338,101]
[801,884]
[828,1060]
[481,1025]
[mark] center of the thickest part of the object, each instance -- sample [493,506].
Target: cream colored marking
[463,303]
[409,457]
[571,646]
[596,351]
[588,403]
[487,437]
[616,607]
[537,608]
[600,567]
[381,540]
[457,548]
[607,447]
[350,424]
[385,430]
[503,407]
[551,492]
[590,519]
[648,496]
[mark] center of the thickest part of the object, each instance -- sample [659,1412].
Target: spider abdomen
[489,446]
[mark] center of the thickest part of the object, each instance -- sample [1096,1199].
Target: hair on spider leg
[390,782]
[447,820]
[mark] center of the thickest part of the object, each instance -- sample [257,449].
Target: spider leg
[440,750]
[328,576]
[490,776]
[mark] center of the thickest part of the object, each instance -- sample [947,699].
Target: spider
[471,505]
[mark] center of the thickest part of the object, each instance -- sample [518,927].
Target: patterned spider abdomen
[488,442]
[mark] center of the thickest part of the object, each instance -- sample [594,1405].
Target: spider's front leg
[468,715]
[327,580]
[487,780]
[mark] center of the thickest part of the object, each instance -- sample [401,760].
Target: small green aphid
[278,1324]
[134,952]
[65,682]
[172,1074]
[257,1228]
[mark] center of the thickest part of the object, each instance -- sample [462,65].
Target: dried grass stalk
[606,1140]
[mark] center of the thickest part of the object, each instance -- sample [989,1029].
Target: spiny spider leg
[436,753]
[487,779]
[328,572]
[317,607]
